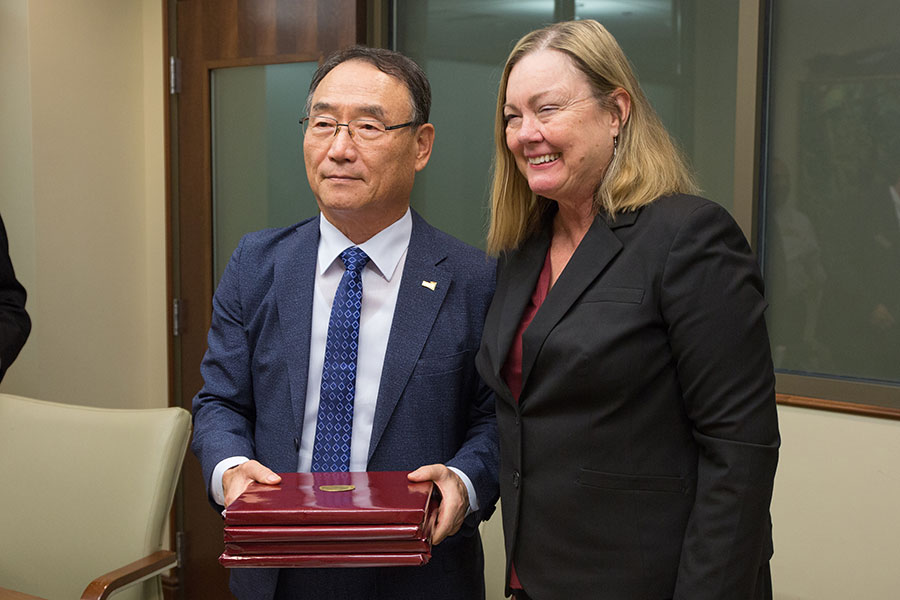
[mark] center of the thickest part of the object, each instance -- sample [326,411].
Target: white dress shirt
[381,284]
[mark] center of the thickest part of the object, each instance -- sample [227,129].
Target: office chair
[85,497]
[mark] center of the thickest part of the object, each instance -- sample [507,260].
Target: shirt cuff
[473,498]
[215,486]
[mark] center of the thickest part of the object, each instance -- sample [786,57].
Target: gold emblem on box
[337,488]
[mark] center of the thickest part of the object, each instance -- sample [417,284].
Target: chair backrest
[84,491]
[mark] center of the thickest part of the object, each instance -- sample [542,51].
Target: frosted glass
[259,179]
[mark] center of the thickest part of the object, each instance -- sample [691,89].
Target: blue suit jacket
[432,406]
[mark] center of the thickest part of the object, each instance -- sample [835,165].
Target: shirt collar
[384,249]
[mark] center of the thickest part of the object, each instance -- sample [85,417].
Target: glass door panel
[259,179]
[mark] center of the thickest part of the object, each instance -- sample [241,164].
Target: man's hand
[236,479]
[454,499]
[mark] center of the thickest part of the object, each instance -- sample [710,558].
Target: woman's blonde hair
[647,164]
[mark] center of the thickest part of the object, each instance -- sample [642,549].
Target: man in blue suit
[416,403]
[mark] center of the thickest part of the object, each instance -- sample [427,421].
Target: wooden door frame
[189,272]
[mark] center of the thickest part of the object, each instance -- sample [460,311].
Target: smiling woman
[560,166]
[632,408]
[553,77]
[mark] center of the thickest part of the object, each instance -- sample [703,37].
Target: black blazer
[15,325]
[640,459]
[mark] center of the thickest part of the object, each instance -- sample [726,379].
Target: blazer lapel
[519,275]
[595,251]
[295,278]
[415,313]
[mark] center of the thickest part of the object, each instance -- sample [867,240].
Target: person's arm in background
[15,324]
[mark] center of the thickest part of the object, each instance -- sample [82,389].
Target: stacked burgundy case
[370,519]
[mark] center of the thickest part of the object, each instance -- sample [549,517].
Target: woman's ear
[623,101]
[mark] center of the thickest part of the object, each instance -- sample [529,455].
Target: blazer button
[297,444]
[515,479]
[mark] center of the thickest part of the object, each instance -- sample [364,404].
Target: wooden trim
[171,581]
[869,398]
[8,594]
[362,22]
[171,585]
[149,566]
[852,408]
[167,166]
[253,61]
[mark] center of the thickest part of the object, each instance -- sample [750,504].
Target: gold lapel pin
[429,284]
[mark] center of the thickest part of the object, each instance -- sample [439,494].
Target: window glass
[832,175]
[684,53]
[462,46]
[259,179]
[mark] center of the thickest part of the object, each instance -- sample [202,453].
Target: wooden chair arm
[7,594]
[139,570]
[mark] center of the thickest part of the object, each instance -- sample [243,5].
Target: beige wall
[835,510]
[82,194]
[16,172]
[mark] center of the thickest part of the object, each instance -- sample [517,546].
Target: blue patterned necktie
[331,451]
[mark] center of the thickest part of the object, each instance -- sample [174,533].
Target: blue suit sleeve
[224,411]
[479,455]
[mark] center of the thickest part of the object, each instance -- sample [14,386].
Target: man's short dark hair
[387,61]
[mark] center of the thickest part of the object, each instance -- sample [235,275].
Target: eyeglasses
[369,130]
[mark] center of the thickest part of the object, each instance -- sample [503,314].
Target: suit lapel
[415,313]
[595,251]
[295,278]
